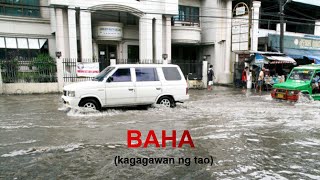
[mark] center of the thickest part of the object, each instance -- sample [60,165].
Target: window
[122,75]
[171,73]
[304,75]
[28,8]
[22,48]
[103,73]
[188,14]
[132,20]
[133,54]
[146,74]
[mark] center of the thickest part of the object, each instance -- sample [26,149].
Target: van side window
[171,73]
[122,75]
[146,74]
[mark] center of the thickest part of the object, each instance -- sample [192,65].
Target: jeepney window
[304,75]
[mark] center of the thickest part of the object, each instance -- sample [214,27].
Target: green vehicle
[302,79]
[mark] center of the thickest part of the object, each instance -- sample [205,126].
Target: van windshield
[304,75]
[103,74]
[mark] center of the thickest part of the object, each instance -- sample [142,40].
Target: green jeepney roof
[309,67]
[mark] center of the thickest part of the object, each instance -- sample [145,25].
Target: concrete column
[284,27]
[317,28]
[255,25]
[95,50]
[228,43]
[1,85]
[205,73]
[237,57]
[218,62]
[72,33]
[168,37]
[86,36]
[158,39]
[60,45]
[53,20]
[66,33]
[145,39]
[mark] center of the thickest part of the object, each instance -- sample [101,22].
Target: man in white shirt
[260,79]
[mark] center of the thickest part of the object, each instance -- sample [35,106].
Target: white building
[130,30]
[25,29]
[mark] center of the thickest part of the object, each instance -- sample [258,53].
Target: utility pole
[281,6]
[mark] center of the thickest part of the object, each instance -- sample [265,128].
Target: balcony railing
[185,23]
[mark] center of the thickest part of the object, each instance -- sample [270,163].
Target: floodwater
[247,136]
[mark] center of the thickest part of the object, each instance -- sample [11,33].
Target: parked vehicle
[129,85]
[302,80]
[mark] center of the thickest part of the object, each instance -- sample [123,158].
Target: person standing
[260,79]
[244,77]
[210,78]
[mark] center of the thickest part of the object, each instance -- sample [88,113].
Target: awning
[303,53]
[269,58]
[316,59]
[280,60]
[21,43]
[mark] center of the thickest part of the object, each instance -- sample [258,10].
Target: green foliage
[9,70]
[44,64]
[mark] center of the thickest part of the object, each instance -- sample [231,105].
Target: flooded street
[249,137]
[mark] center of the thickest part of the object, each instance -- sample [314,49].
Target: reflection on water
[249,136]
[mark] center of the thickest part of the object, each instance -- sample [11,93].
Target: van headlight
[71,93]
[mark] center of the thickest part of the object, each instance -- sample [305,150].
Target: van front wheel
[90,104]
[166,101]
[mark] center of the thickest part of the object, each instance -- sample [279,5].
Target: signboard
[259,58]
[104,32]
[110,31]
[87,69]
[294,42]
[240,28]
[240,11]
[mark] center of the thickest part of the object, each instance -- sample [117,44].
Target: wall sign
[108,32]
[87,69]
[294,42]
[240,27]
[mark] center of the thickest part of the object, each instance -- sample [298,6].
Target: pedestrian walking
[210,78]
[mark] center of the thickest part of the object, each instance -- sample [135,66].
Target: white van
[129,85]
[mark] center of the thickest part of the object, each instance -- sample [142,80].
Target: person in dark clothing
[210,78]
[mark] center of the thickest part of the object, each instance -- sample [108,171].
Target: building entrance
[106,52]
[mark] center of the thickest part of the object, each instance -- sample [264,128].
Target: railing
[193,69]
[186,23]
[238,68]
[28,70]
[70,69]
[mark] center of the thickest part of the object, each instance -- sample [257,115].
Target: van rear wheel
[166,101]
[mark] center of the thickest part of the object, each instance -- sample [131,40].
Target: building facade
[132,31]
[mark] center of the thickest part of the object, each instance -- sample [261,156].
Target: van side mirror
[110,79]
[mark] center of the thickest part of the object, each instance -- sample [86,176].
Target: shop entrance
[106,52]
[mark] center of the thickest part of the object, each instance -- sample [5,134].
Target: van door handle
[158,88]
[131,89]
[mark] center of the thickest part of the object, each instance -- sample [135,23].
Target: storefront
[305,50]
[277,66]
